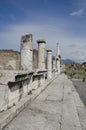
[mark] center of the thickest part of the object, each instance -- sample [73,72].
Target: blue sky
[55,21]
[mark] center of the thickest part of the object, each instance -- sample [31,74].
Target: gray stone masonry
[15,85]
[58,57]
[49,64]
[54,109]
[9,60]
[7,116]
[54,65]
[41,54]
[26,52]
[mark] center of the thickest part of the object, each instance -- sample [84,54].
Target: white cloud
[77,13]
[78,55]
[72,45]
[10,39]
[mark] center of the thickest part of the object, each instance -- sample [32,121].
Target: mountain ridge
[68,61]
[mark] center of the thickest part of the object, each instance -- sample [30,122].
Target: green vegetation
[76,71]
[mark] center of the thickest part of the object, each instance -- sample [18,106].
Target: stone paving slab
[82,116]
[77,99]
[53,109]
[70,119]
[81,109]
[10,114]
[43,113]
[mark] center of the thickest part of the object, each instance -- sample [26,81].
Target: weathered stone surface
[82,116]
[81,109]
[9,60]
[49,64]
[35,59]
[41,54]
[26,52]
[70,119]
[8,95]
[17,85]
[54,109]
[77,99]
[7,116]
[54,64]
[7,75]
[3,97]
[58,57]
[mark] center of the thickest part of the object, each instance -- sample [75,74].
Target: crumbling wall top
[26,38]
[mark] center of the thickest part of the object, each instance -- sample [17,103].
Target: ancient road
[53,109]
[81,88]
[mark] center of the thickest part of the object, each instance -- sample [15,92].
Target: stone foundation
[17,85]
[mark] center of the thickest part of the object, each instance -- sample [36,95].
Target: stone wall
[14,85]
[9,60]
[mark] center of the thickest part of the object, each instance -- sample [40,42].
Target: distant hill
[68,61]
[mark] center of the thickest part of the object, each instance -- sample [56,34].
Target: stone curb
[9,115]
[81,109]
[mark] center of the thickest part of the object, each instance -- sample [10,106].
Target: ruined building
[9,60]
[24,71]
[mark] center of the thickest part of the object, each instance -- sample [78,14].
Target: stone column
[49,64]
[41,54]
[26,52]
[54,65]
[58,57]
[58,64]
[35,58]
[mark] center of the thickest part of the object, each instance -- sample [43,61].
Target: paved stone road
[53,109]
[81,89]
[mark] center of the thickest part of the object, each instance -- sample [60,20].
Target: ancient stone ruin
[9,60]
[24,71]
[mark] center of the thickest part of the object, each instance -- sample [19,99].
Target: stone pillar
[35,58]
[49,64]
[58,64]
[58,57]
[26,52]
[54,65]
[41,54]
